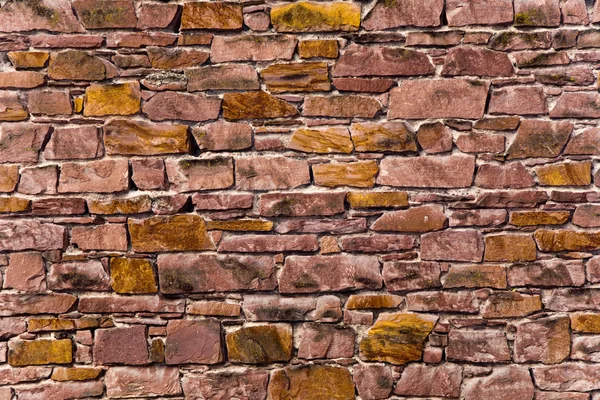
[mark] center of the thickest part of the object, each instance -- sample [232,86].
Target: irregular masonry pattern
[300,200]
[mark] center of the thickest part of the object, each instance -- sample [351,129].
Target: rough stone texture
[314,200]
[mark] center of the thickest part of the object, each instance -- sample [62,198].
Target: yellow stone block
[78,104]
[134,205]
[63,324]
[185,232]
[377,199]
[316,17]
[40,352]
[318,48]
[255,225]
[366,301]
[532,218]
[565,174]
[28,59]
[260,344]
[585,322]
[132,275]
[114,99]
[327,140]
[397,338]
[358,174]
[14,204]
[62,374]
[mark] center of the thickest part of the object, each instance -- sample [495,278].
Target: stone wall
[299,200]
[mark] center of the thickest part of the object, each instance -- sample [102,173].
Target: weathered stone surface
[511,381]
[310,274]
[132,275]
[405,275]
[510,247]
[547,273]
[576,75]
[326,341]
[510,304]
[188,273]
[240,225]
[473,61]
[575,377]
[388,137]
[452,245]
[377,243]
[566,240]
[585,143]
[25,272]
[373,381]
[438,98]
[358,174]
[21,142]
[186,175]
[311,382]
[443,172]
[80,142]
[176,59]
[169,233]
[31,235]
[248,384]
[521,100]
[434,138]
[301,204]
[375,85]
[531,13]
[48,324]
[546,340]
[362,301]
[274,308]
[541,59]
[326,48]
[316,17]
[404,13]
[181,106]
[40,352]
[252,48]
[268,173]
[474,276]
[585,322]
[479,142]
[360,60]
[341,106]
[80,66]
[477,217]
[397,338]
[326,140]
[416,219]
[436,381]
[442,302]
[577,105]
[142,381]
[122,345]
[97,14]
[537,138]
[128,137]
[54,16]
[222,77]
[78,276]
[533,218]
[156,15]
[11,376]
[565,174]
[113,99]
[260,344]
[207,15]
[478,12]
[256,105]
[223,135]
[183,344]
[296,77]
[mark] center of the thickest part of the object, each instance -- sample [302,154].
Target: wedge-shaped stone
[439,98]
[114,99]
[40,352]
[397,338]
[357,174]
[360,60]
[427,171]
[211,15]
[577,105]
[132,276]
[252,48]
[297,77]
[260,344]
[316,17]
[567,240]
[131,137]
[49,15]
[312,274]
[565,174]
[324,140]
[421,13]
[189,273]
[537,138]
[311,382]
[393,137]
[169,233]
[200,174]
[585,143]
[256,105]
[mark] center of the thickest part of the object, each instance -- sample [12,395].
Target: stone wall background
[291,200]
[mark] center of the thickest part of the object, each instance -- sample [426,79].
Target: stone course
[299,200]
